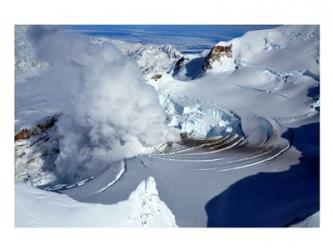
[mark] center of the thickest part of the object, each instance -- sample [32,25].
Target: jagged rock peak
[216,53]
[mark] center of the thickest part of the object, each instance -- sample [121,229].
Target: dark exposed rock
[23,134]
[215,54]
[156,77]
[179,64]
[180,61]
[41,127]
[196,67]
[217,142]
[36,150]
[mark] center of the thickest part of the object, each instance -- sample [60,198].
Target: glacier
[200,120]
[243,132]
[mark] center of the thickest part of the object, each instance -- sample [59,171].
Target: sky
[184,37]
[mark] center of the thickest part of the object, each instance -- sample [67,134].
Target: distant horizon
[184,37]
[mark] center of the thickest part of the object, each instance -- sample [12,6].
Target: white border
[160,12]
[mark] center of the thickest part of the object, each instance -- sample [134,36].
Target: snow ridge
[38,208]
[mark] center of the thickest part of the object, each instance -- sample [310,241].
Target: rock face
[180,64]
[216,53]
[156,77]
[40,128]
[36,150]
[23,134]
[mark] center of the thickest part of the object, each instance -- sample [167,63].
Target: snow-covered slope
[264,75]
[143,208]
[152,59]
[311,221]
[36,150]
[299,42]
[26,64]
[242,109]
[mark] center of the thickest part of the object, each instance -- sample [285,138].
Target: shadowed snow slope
[38,208]
[311,221]
[278,199]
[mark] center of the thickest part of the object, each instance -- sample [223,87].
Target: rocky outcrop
[41,127]
[179,65]
[36,150]
[23,134]
[180,62]
[215,54]
[156,77]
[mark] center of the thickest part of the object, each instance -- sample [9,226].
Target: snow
[105,93]
[118,176]
[151,58]
[38,208]
[35,157]
[225,64]
[311,221]
[114,115]
[259,87]
[31,164]
[259,47]
[26,64]
[199,120]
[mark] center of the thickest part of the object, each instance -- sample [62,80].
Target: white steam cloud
[109,113]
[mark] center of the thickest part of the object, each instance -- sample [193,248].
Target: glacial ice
[266,89]
[200,120]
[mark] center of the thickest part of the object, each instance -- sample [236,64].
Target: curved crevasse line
[187,160]
[248,157]
[217,150]
[235,143]
[217,143]
[259,162]
[252,156]
[297,118]
[231,145]
[225,140]
[119,175]
[211,150]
